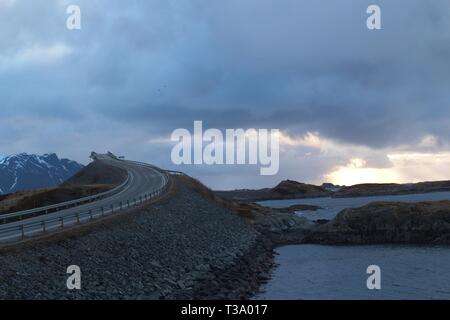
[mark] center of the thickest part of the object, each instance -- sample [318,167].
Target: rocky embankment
[385,222]
[188,245]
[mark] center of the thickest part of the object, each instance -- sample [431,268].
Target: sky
[353,105]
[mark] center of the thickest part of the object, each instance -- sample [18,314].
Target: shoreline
[245,277]
[187,246]
[241,280]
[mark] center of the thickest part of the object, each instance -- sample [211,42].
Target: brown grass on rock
[95,178]
[388,222]
[43,197]
[248,211]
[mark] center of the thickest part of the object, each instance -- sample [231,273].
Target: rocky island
[287,189]
[382,189]
[290,189]
[387,223]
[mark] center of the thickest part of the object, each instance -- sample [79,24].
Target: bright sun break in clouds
[363,165]
[355,172]
[360,164]
[140,69]
[406,168]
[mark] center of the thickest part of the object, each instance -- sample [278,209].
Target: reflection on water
[332,206]
[332,272]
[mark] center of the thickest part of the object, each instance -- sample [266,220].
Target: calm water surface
[339,272]
[327,272]
[332,206]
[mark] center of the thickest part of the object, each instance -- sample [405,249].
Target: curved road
[144,181]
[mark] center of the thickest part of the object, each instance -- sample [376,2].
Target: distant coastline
[289,189]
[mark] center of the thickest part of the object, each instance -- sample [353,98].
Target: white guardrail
[25,228]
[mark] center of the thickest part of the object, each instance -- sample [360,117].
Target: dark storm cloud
[144,68]
[294,65]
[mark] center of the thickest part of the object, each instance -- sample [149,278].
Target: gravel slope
[166,250]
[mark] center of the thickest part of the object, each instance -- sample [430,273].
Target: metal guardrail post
[103,211]
[23,231]
[112,209]
[43,226]
[62,222]
[78,217]
[52,208]
[91,215]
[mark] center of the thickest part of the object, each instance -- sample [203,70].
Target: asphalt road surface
[144,180]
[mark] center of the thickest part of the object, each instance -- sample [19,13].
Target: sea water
[340,272]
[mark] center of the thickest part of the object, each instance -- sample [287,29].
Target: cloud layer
[140,69]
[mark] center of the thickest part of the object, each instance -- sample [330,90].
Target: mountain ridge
[25,171]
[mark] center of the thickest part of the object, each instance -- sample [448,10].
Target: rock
[298,207]
[384,222]
[377,189]
[286,189]
[202,267]
[181,284]
[155,264]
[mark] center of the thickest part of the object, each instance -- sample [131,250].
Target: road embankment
[184,246]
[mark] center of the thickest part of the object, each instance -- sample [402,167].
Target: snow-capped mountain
[29,171]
